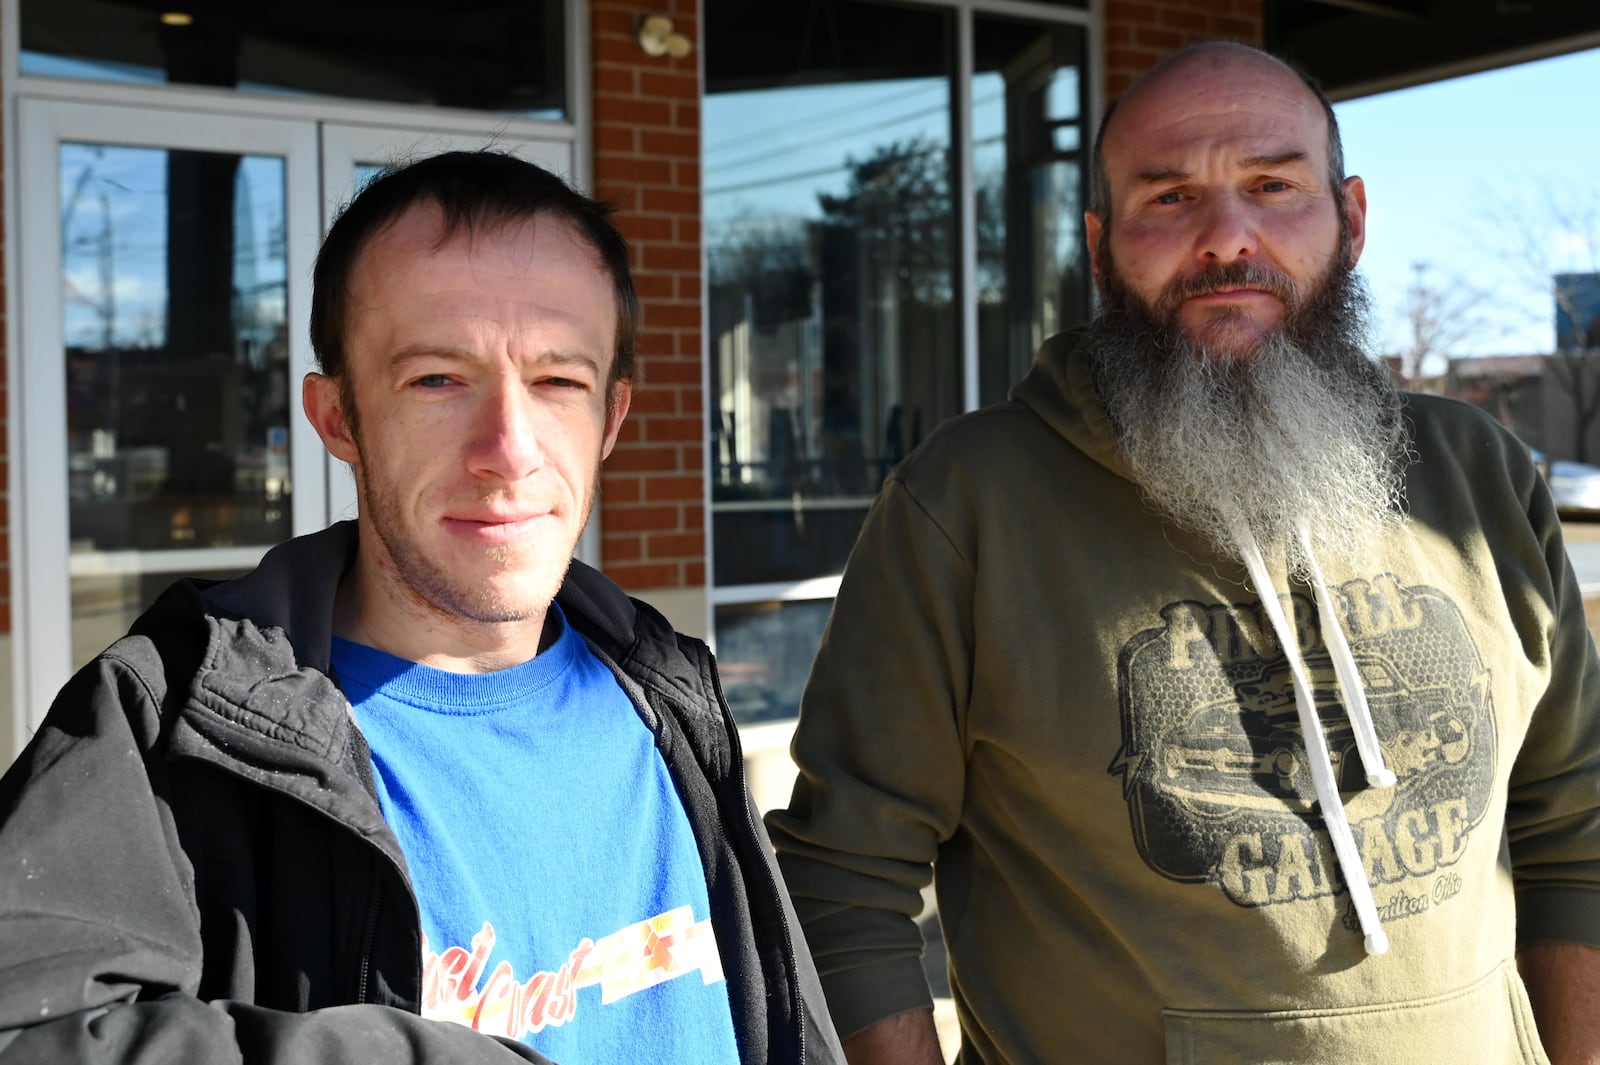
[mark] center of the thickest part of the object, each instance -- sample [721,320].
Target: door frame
[42,567]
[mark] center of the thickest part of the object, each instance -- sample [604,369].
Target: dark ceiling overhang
[1360,47]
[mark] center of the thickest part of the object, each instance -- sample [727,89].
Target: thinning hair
[472,190]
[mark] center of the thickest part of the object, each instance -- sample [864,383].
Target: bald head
[1211,64]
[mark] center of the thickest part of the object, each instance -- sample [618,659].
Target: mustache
[1241,273]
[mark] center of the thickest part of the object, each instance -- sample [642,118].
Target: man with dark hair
[421,787]
[1241,708]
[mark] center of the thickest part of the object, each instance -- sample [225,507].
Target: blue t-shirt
[563,899]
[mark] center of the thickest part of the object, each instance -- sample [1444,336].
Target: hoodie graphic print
[1214,763]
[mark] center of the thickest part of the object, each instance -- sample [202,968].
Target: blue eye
[1169,197]
[432,380]
[1274,186]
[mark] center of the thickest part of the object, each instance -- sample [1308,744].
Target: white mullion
[776,591]
[42,627]
[235,103]
[18,721]
[132,563]
[1034,10]
[961,116]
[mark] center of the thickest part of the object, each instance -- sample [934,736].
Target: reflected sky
[114,243]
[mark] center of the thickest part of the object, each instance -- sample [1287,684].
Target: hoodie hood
[1059,389]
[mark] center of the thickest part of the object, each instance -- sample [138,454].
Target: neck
[374,607]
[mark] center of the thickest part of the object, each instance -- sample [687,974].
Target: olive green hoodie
[1084,718]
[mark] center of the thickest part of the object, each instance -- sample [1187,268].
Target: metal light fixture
[656,37]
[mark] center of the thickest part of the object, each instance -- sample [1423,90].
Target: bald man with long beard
[1241,708]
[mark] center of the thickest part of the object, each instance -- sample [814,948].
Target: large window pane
[175,324]
[831,244]
[764,653]
[492,55]
[1029,130]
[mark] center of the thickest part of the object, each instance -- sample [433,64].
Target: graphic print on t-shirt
[1214,763]
[650,952]
[559,884]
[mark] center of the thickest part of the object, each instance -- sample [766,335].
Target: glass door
[162,348]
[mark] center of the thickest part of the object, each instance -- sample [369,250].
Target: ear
[1091,233]
[621,399]
[1354,195]
[319,395]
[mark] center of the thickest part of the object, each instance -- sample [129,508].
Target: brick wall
[1139,32]
[647,162]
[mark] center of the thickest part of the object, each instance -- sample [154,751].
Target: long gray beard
[1306,433]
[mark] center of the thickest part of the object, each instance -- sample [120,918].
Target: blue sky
[1451,168]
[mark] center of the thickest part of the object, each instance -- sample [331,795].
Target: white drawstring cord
[1375,939]
[1344,666]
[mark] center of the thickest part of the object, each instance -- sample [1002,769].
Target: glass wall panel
[764,653]
[832,228]
[831,248]
[491,55]
[1030,147]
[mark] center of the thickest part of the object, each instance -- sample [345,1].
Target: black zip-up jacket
[194,868]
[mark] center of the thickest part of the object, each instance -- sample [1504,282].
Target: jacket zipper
[370,931]
[367,936]
[773,888]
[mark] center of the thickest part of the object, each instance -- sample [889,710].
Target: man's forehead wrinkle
[1162,131]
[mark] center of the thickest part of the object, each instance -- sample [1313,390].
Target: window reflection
[176,348]
[492,55]
[835,308]
[764,653]
[1029,155]
[831,237]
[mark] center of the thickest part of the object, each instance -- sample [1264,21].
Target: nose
[1227,231]
[506,439]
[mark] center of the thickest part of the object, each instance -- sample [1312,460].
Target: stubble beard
[435,590]
[1298,431]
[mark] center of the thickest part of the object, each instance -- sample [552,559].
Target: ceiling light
[176,18]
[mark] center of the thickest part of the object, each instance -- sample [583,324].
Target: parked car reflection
[1574,485]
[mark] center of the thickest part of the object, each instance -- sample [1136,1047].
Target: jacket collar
[269,633]
[293,589]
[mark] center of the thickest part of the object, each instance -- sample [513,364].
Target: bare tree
[1542,231]
[1439,315]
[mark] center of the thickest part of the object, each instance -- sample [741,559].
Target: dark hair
[1100,181]
[472,189]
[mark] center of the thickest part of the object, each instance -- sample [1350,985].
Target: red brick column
[1139,32]
[647,162]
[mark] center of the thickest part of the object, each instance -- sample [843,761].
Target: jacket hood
[1059,390]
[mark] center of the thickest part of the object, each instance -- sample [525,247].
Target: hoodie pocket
[1488,1022]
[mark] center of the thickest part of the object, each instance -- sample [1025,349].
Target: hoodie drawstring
[1322,779]
[1344,666]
